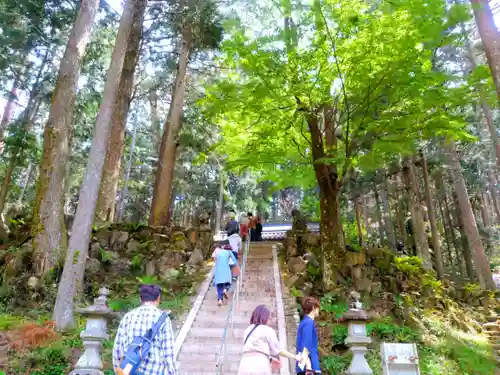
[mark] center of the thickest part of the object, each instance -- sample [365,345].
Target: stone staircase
[492,330]
[198,353]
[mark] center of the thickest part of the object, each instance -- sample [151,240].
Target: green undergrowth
[443,350]
[47,352]
[420,311]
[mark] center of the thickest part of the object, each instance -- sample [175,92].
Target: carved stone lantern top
[356,311]
[100,306]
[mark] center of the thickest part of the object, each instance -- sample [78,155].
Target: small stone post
[95,333]
[357,338]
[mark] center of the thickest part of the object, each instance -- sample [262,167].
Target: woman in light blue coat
[223,257]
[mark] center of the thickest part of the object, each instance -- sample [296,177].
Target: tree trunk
[466,252]
[106,203]
[155,120]
[379,215]
[359,226]
[26,182]
[218,215]
[432,219]
[366,218]
[4,229]
[177,149]
[421,243]
[484,212]
[488,115]
[489,36]
[400,210]
[469,221]
[332,237]
[8,111]
[456,245]
[124,193]
[166,162]
[49,231]
[171,209]
[74,267]
[494,195]
[447,237]
[6,181]
[389,227]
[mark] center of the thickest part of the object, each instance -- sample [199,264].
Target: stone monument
[399,359]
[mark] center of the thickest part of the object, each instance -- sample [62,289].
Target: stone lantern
[357,338]
[95,333]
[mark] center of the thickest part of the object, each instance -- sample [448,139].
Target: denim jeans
[221,288]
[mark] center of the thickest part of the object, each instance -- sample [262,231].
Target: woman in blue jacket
[223,257]
[307,337]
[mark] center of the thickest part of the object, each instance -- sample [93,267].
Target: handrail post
[222,354]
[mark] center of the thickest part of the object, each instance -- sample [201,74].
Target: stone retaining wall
[156,251]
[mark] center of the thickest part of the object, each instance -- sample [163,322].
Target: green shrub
[9,321]
[137,262]
[106,256]
[386,330]
[124,304]
[51,360]
[472,357]
[339,334]
[336,364]
[314,272]
[409,265]
[331,303]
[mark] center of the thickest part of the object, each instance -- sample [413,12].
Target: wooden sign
[400,359]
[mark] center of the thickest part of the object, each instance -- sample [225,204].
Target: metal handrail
[222,354]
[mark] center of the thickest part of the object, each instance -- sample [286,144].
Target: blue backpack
[139,349]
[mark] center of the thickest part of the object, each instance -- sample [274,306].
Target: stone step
[208,347]
[215,321]
[491,327]
[246,307]
[241,310]
[211,319]
[215,333]
[181,372]
[193,367]
[208,360]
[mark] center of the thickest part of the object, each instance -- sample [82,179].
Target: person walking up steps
[307,337]
[223,257]
[261,345]
[232,226]
[143,326]
[244,226]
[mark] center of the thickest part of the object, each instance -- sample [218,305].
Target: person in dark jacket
[258,229]
[232,226]
[307,336]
